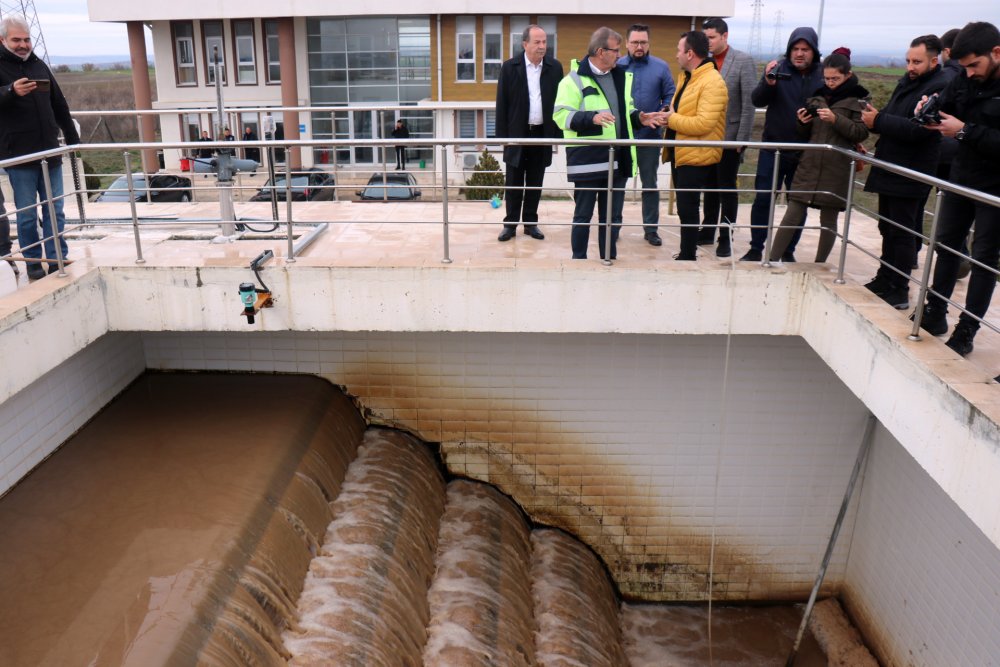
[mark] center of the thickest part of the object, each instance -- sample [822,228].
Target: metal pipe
[131,202]
[80,199]
[918,314]
[608,218]
[306,240]
[444,203]
[288,205]
[770,213]
[53,222]
[866,441]
[839,280]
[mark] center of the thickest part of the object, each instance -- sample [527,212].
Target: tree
[487,179]
[88,67]
[61,69]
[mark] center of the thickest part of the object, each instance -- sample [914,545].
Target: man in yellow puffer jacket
[698,113]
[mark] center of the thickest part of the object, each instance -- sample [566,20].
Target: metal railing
[446,186]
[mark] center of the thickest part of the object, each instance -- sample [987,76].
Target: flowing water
[252,520]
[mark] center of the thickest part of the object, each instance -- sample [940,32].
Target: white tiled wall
[922,579]
[42,416]
[618,438]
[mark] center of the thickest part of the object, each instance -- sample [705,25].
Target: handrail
[444,144]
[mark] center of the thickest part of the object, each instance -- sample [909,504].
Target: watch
[961,133]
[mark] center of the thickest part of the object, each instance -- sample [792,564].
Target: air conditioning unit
[469,160]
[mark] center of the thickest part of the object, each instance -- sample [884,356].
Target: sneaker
[961,339]
[897,297]
[878,285]
[706,236]
[788,257]
[753,255]
[934,320]
[35,271]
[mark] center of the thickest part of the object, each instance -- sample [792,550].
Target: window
[271,55]
[548,24]
[243,47]
[215,49]
[492,47]
[466,126]
[491,124]
[465,51]
[517,26]
[184,68]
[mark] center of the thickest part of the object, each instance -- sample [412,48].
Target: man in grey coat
[740,75]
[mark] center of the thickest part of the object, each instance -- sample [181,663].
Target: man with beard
[910,145]
[653,88]
[32,111]
[783,90]
[970,112]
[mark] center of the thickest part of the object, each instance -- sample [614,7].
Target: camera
[812,108]
[775,75]
[930,113]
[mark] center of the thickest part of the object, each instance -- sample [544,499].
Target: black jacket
[902,141]
[786,97]
[31,123]
[977,104]
[512,104]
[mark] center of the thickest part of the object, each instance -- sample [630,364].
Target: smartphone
[41,85]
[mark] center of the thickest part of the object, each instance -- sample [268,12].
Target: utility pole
[776,49]
[26,8]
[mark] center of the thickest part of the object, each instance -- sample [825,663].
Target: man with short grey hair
[32,111]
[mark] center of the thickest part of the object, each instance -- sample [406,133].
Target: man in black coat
[910,145]
[526,93]
[970,113]
[32,111]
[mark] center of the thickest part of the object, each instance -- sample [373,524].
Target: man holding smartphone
[32,111]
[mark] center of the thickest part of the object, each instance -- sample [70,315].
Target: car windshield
[121,183]
[297,182]
[392,192]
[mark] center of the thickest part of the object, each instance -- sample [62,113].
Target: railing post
[75,169]
[288,204]
[53,223]
[925,279]
[607,208]
[444,203]
[770,214]
[839,280]
[131,202]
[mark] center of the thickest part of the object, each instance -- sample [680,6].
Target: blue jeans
[586,194]
[648,158]
[29,188]
[761,208]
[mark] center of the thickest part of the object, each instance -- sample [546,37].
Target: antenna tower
[755,30]
[776,44]
[26,8]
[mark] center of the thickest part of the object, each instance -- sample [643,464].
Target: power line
[26,8]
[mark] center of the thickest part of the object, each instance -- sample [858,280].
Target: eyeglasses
[615,50]
[635,43]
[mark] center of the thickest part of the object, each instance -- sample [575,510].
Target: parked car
[397,186]
[160,188]
[309,185]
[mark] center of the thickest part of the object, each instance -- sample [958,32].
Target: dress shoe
[724,250]
[653,239]
[706,236]
[753,255]
[507,234]
[35,271]
[534,232]
[681,257]
[788,257]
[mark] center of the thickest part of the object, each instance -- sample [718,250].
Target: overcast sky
[862,25]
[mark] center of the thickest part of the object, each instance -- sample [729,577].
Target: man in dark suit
[526,93]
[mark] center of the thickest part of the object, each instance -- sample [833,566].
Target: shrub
[487,179]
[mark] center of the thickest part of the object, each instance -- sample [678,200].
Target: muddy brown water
[225,519]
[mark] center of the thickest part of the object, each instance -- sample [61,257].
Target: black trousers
[690,178]
[723,176]
[5,244]
[401,157]
[522,205]
[898,248]
[956,218]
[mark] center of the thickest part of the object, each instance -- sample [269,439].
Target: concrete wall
[922,580]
